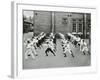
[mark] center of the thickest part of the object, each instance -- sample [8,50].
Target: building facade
[64,22]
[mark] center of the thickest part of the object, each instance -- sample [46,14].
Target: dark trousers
[49,49]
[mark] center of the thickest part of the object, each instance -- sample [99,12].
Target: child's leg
[26,54]
[64,52]
[80,47]
[34,51]
[88,51]
[71,52]
[65,55]
[83,51]
[46,52]
[52,52]
[33,57]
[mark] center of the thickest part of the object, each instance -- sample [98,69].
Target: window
[74,25]
[80,25]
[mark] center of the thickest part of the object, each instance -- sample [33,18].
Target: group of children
[42,40]
[75,41]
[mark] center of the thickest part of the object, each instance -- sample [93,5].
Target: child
[83,47]
[30,50]
[66,48]
[50,47]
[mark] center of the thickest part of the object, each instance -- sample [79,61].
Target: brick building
[64,22]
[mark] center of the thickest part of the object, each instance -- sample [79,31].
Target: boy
[83,47]
[66,48]
[30,50]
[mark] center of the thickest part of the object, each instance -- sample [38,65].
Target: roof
[26,21]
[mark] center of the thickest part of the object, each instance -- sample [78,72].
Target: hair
[28,41]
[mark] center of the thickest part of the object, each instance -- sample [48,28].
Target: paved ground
[51,61]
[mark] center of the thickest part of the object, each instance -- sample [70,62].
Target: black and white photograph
[56,39]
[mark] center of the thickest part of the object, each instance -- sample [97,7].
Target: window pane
[74,27]
[80,27]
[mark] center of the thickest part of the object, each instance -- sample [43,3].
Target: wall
[45,21]
[42,21]
[5,39]
[63,27]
